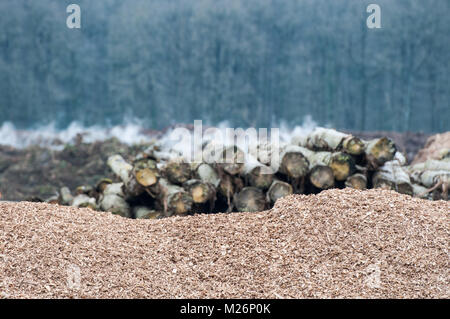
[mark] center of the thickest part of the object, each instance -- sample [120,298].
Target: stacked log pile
[160,183]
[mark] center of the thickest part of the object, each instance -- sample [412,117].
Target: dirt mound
[434,148]
[337,244]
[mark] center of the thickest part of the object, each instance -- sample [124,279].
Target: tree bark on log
[112,200]
[206,173]
[393,176]
[322,139]
[143,212]
[65,196]
[321,174]
[174,199]
[258,175]
[124,171]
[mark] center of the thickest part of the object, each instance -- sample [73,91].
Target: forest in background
[249,62]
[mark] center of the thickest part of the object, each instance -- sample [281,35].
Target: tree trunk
[143,212]
[258,175]
[250,199]
[174,199]
[177,171]
[393,176]
[146,172]
[277,190]
[112,200]
[380,151]
[356,181]
[293,161]
[322,139]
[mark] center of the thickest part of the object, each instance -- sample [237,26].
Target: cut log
[124,171]
[250,199]
[258,175]
[431,178]
[174,199]
[112,200]
[143,212]
[120,167]
[177,171]
[322,139]
[320,172]
[146,172]
[393,176]
[265,151]
[342,165]
[101,185]
[321,177]
[206,173]
[356,181]
[294,163]
[432,174]
[420,191]
[200,191]
[430,165]
[230,159]
[65,196]
[277,190]
[83,200]
[233,160]
[380,151]
[84,189]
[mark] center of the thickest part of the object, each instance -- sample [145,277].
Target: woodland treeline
[250,62]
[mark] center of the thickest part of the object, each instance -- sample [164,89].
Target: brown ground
[335,244]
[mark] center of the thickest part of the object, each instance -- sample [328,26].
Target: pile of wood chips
[337,244]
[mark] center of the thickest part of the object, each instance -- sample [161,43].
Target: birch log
[322,139]
[250,199]
[174,199]
[277,190]
[205,173]
[393,176]
[143,212]
[177,171]
[293,161]
[258,175]
[356,181]
[200,191]
[380,151]
[112,200]
[124,171]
